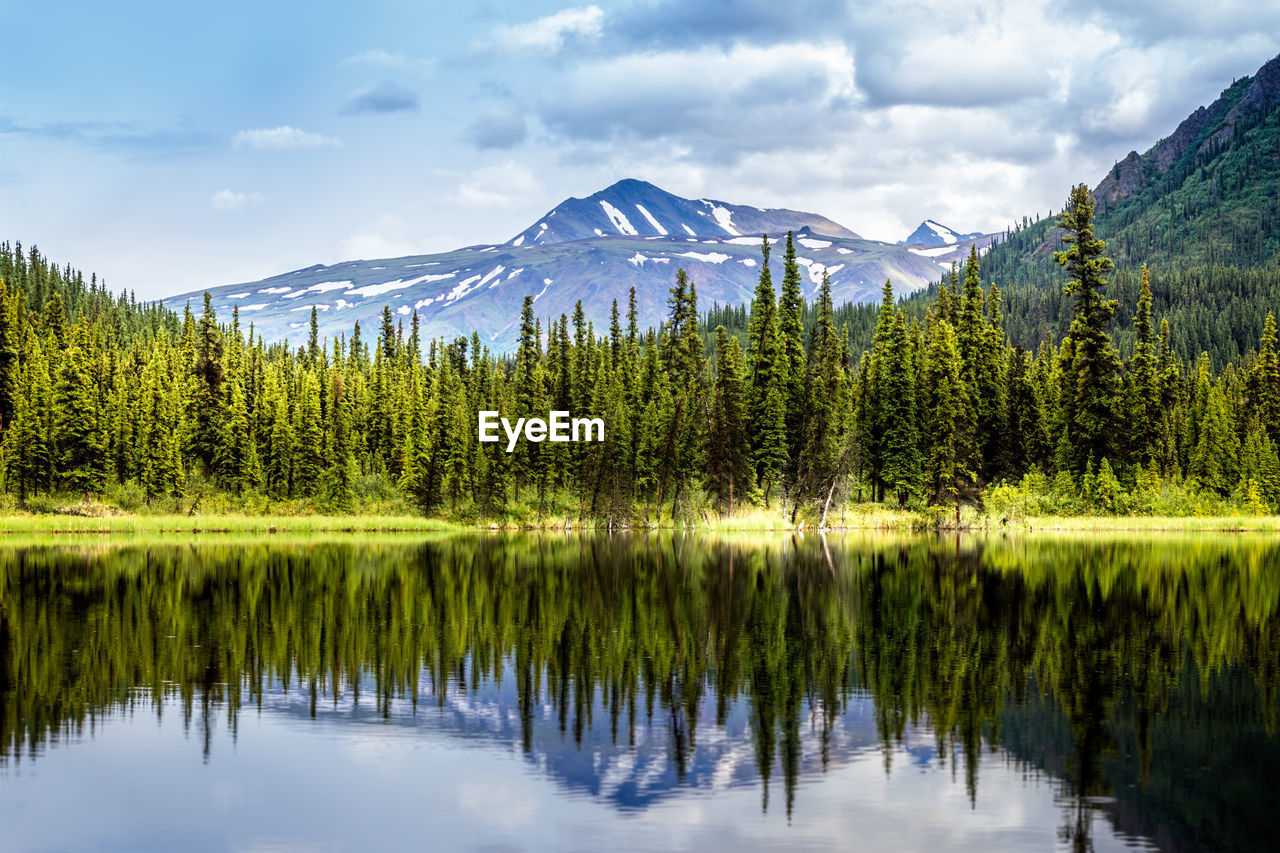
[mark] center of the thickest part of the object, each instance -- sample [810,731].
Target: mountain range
[593,249]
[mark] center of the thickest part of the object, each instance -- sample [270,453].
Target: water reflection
[1139,674]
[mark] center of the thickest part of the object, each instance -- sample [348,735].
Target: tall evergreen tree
[902,461]
[1096,365]
[792,372]
[1143,405]
[1264,381]
[820,455]
[29,450]
[79,434]
[947,427]
[729,462]
[766,396]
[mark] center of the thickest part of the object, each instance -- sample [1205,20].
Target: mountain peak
[934,233]
[629,185]
[635,208]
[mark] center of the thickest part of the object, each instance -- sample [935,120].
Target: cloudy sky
[173,146]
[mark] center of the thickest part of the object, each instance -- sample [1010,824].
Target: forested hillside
[101,395]
[1200,209]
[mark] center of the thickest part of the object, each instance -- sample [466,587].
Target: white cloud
[493,187]
[282,138]
[384,237]
[974,113]
[717,104]
[548,34]
[378,58]
[228,201]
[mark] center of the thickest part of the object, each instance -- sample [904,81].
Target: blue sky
[174,146]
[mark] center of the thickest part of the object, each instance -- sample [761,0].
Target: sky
[170,147]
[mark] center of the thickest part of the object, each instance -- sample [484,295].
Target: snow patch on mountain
[706,257]
[933,252]
[649,216]
[461,289]
[723,217]
[619,219]
[376,289]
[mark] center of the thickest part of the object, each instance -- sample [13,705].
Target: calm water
[646,693]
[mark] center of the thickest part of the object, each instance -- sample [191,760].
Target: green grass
[56,523]
[697,517]
[1209,524]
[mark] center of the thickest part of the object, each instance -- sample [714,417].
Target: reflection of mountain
[635,667]
[627,762]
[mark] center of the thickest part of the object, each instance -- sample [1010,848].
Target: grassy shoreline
[228,523]
[1141,523]
[862,518]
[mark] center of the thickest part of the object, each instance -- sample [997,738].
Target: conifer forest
[786,406]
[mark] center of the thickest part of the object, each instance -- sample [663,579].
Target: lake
[639,692]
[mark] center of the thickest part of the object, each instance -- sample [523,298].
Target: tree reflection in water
[1112,664]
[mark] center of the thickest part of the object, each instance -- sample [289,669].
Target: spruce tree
[160,465]
[792,370]
[79,437]
[205,402]
[1264,381]
[823,427]
[10,341]
[766,399]
[278,460]
[947,428]
[1143,405]
[873,416]
[236,460]
[529,392]
[1215,454]
[308,457]
[1096,365]
[29,447]
[729,462]
[901,452]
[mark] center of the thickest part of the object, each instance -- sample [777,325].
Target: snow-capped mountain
[481,288]
[632,208]
[931,233]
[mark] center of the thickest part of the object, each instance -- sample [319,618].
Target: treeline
[100,394]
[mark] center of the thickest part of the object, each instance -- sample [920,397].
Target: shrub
[128,496]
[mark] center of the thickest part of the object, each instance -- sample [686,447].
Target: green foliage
[941,409]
